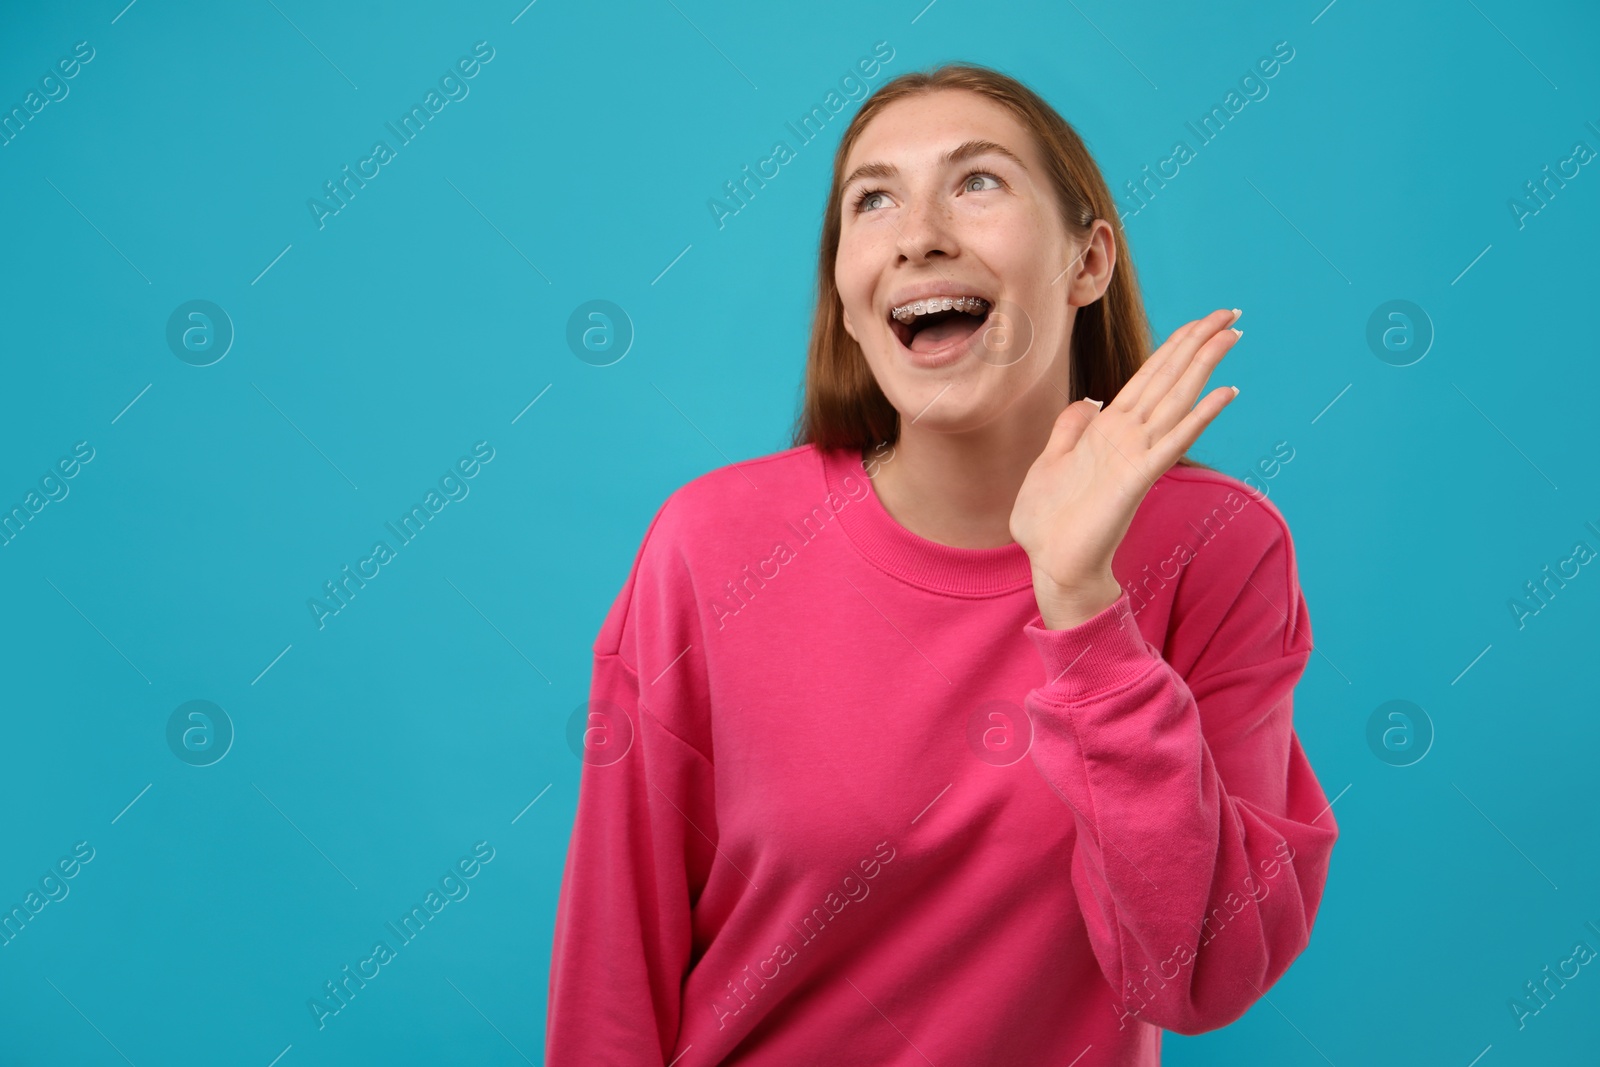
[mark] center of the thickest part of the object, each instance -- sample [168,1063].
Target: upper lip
[912,294]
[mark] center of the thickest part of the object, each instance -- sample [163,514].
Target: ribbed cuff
[1100,654]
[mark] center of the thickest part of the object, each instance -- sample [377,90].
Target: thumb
[1070,425]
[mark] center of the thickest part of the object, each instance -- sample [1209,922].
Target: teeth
[974,305]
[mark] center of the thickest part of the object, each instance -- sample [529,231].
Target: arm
[643,837]
[1203,836]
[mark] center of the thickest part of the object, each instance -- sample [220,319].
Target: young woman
[961,732]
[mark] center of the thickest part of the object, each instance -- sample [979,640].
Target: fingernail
[1238,333]
[1097,404]
[1236,314]
[1235,389]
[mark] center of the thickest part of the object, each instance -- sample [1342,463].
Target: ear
[1091,276]
[850,329]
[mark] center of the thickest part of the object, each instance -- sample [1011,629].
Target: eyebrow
[956,155]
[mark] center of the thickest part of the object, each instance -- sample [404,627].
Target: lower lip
[945,354]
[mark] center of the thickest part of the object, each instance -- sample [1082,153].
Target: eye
[864,197]
[864,200]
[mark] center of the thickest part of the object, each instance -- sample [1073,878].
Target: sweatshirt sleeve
[1204,838]
[643,836]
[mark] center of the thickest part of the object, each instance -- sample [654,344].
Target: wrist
[1062,607]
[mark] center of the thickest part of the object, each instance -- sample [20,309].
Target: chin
[951,403]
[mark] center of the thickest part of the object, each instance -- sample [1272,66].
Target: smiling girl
[942,793]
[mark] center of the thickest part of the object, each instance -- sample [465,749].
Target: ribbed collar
[971,572]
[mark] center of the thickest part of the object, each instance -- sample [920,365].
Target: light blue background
[431,311]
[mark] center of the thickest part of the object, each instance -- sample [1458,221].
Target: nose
[924,229]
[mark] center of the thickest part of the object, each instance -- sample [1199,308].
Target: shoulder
[708,527]
[1220,555]
[1197,503]
[735,496]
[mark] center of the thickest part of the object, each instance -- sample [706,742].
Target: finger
[1180,398]
[1129,393]
[1070,425]
[1183,436]
[1158,366]
[1172,368]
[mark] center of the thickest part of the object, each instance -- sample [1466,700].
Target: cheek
[856,260]
[855,292]
[1020,247]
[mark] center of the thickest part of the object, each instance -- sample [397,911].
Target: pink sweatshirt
[846,801]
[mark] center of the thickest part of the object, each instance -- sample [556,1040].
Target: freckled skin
[934,223]
[968,430]
[991,451]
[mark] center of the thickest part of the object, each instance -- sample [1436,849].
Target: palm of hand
[1079,497]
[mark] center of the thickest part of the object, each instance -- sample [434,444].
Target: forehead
[916,130]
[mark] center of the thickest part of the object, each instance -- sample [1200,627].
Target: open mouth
[937,323]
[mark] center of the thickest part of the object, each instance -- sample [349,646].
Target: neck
[958,489]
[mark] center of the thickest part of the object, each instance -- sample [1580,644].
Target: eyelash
[861,197]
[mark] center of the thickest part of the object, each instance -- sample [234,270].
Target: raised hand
[1080,495]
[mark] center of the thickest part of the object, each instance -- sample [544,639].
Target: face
[954,202]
